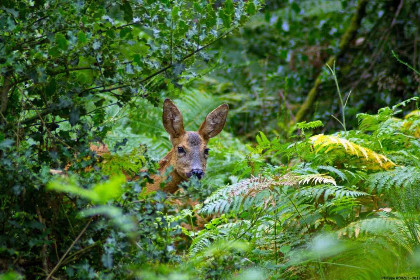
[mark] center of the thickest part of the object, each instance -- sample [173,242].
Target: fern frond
[415,113]
[327,191]
[250,192]
[328,143]
[371,122]
[316,179]
[398,177]
[206,237]
[236,196]
[333,170]
[391,228]
[310,125]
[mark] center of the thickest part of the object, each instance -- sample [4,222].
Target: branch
[287,105]
[4,94]
[345,40]
[49,110]
[68,250]
[164,68]
[54,73]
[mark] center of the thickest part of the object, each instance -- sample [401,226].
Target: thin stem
[405,63]
[68,250]
[343,105]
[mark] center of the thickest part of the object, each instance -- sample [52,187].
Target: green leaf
[81,38]
[128,11]
[229,8]
[174,14]
[126,31]
[109,190]
[99,194]
[51,87]
[250,8]
[226,19]
[61,41]
[54,52]
[211,16]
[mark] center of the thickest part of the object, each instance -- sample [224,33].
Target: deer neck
[176,179]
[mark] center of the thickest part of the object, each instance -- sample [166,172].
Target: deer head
[189,148]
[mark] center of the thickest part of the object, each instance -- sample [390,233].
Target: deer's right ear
[172,119]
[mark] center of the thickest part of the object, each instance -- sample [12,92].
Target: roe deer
[189,152]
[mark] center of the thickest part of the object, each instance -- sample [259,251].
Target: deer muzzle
[199,173]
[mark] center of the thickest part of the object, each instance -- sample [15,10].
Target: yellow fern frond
[412,123]
[412,113]
[316,179]
[332,143]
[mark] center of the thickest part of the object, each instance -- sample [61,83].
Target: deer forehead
[192,139]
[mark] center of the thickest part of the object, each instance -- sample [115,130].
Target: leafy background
[315,175]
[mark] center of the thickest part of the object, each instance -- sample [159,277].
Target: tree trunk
[345,41]
[4,93]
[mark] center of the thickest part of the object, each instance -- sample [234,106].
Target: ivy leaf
[61,41]
[226,19]
[128,11]
[6,143]
[51,87]
[107,260]
[178,69]
[74,116]
[81,38]
[250,8]
[54,52]
[229,8]
[96,45]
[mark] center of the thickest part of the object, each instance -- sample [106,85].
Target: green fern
[334,171]
[327,190]
[256,192]
[399,177]
[219,232]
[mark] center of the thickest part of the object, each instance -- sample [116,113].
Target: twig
[49,110]
[405,63]
[287,105]
[342,102]
[68,250]
[44,246]
[45,126]
[394,20]
[378,51]
[72,256]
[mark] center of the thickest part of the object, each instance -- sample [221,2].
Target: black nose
[199,173]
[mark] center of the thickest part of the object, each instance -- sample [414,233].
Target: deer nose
[199,173]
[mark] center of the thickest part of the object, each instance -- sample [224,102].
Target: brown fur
[193,143]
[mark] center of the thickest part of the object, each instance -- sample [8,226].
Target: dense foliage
[300,184]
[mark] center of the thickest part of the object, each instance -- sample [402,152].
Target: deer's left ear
[214,122]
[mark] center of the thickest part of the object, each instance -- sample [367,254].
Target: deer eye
[206,151]
[181,150]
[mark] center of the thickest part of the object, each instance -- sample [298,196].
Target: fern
[256,192]
[328,143]
[334,170]
[316,179]
[224,231]
[232,198]
[392,228]
[399,177]
[371,122]
[310,125]
[327,190]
